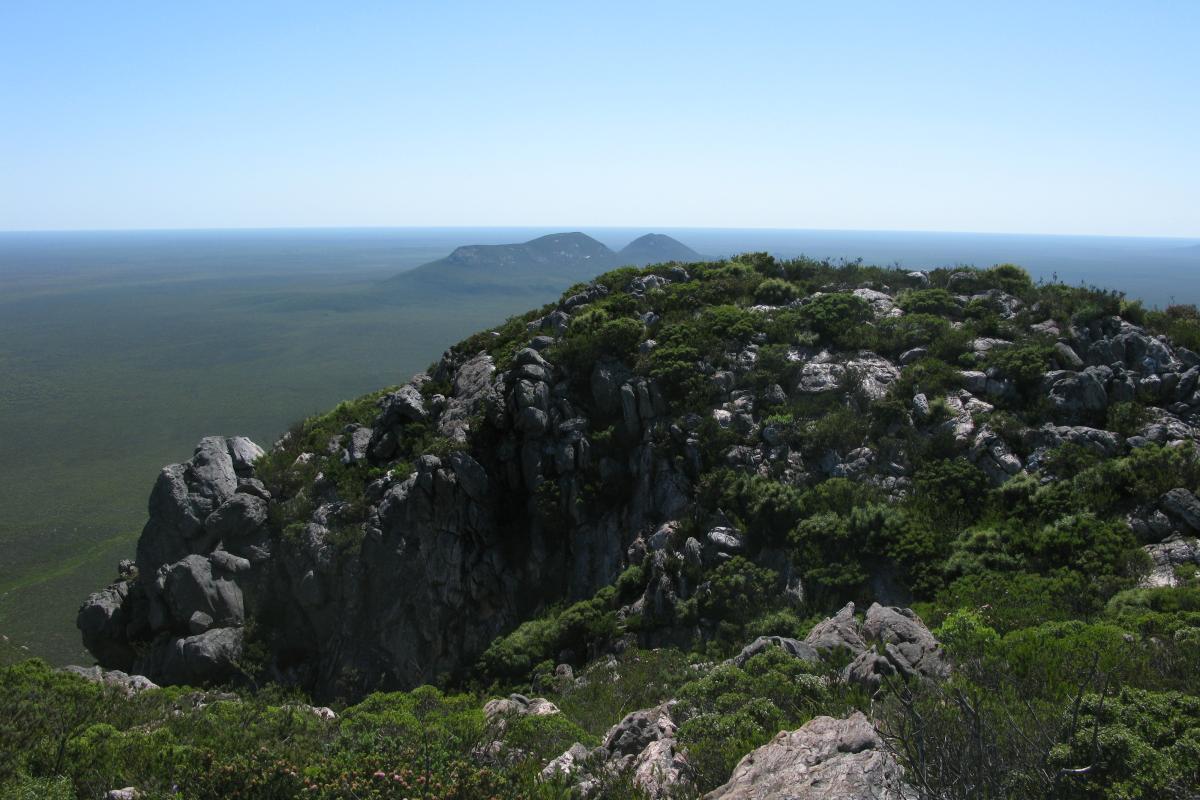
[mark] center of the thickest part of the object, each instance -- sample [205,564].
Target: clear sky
[1039,117]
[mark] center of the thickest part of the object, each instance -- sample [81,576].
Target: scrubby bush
[776,292]
[837,317]
[935,302]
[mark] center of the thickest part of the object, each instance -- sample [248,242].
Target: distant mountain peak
[657,247]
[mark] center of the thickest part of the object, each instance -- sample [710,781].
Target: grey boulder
[909,650]
[826,759]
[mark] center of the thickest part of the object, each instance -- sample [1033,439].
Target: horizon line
[578,229]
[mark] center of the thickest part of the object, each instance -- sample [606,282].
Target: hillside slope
[550,262]
[687,457]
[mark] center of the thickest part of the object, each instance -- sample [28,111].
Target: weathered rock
[1073,395]
[909,650]
[1169,556]
[839,632]
[498,710]
[210,657]
[403,405]
[206,584]
[103,622]
[1067,357]
[638,729]
[826,759]
[129,685]
[641,746]
[241,516]
[1150,525]
[1182,505]
[793,647]
[183,498]
[358,441]
[472,389]
[568,764]
[880,302]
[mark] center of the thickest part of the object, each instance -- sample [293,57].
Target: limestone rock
[826,759]
[1182,505]
[129,685]
[909,649]
[183,498]
[839,632]
[1166,557]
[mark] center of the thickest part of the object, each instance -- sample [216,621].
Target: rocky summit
[778,467]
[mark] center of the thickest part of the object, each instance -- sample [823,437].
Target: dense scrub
[1073,676]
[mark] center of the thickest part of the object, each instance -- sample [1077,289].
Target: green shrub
[936,302]
[1136,744]
[737,592]
[776,292]
[837,317]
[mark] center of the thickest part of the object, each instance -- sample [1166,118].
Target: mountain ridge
[550,262]
[701,459]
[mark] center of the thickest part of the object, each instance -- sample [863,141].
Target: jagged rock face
[452,554]
[826,759]
[179,618]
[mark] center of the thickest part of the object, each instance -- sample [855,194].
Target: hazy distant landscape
[118,351]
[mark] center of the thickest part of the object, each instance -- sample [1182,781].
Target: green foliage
[593,335]
[776,292]
[1180,322]
[1023,363]
[609,689]
[513,657]
[732,710]
[737,591]
[38,789]
[1137,744]
[837,317]
[936,302]
[894,335]
[950,492]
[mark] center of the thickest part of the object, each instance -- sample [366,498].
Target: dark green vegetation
[1069,680]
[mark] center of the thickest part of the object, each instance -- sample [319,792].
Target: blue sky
[1041,117]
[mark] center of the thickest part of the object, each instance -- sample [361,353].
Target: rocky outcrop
[902,648]
[128,685]
[473,528]
[521,476]
[826,759]
[837,633]
[498,715]
[889,642]
[185,599]
[641,746]
[1169,558]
